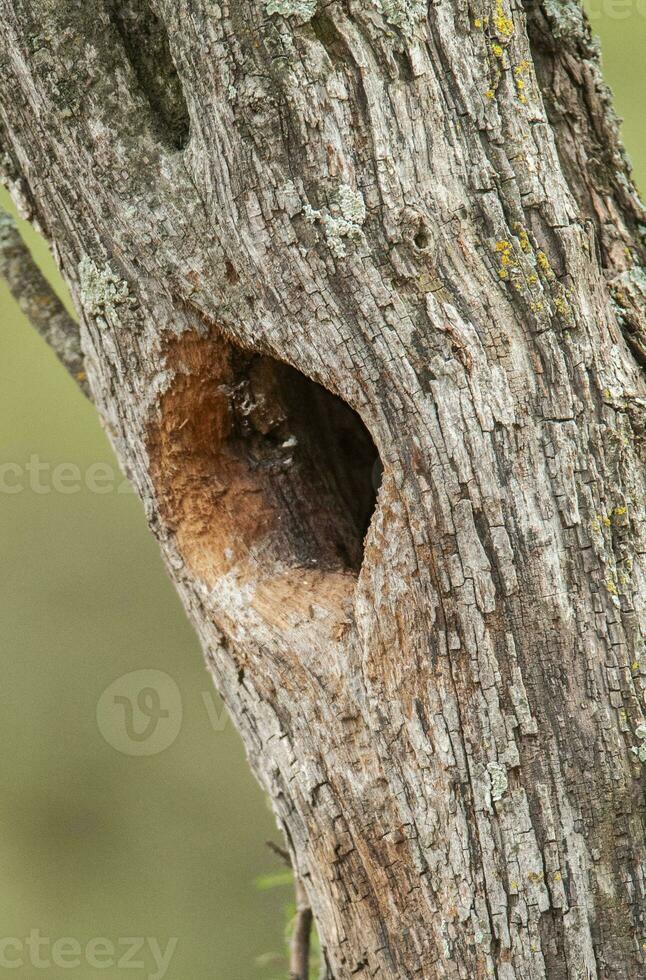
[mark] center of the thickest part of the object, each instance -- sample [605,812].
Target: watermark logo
[42,478]
[67,953]
[600,10]
[140,713]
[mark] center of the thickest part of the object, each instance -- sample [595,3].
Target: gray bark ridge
[405,204]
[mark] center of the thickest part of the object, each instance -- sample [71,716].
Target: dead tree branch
[39,302]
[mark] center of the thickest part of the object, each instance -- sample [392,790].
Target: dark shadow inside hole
[147,47]
[314,457]
[421,239]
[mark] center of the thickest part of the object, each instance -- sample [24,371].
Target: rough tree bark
[297,230]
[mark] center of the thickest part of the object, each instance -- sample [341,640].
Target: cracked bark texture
[427,211]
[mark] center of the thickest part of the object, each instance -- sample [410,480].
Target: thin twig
[299,959]
[299,950]
[280,852]
[39,302]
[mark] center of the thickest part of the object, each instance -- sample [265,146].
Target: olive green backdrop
[94,842]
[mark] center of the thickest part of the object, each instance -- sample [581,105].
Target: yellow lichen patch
[506,257]
[504,26]
[503,23]
[564,310]
[519,71]
[523,238]
[490,94]
[544,263]
[498,50]
[478,23]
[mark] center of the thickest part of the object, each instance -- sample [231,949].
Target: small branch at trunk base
[39,302]
[299,950]
[299,959]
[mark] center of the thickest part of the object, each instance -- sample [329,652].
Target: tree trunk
[295,231]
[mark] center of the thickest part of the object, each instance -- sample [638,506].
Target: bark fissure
[146,43]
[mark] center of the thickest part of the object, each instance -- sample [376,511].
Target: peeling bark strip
[415,222]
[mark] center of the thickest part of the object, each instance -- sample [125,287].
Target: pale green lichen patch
[634,277]
[352,204]
[567,18]
[305,9]
[101,289]
[343,221]
[498,779]
[640,750]
[405,15]
[628,292]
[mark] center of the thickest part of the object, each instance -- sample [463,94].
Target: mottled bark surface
[426,211]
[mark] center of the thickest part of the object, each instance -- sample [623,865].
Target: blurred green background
[93,842]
